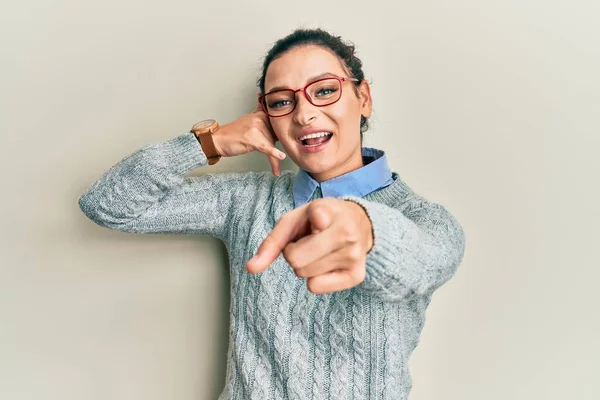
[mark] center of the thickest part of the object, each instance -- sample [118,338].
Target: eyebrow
[311,79]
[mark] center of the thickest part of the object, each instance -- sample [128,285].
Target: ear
[364,96]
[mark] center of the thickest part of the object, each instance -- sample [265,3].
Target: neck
[353,163]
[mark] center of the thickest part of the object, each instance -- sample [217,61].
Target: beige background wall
[490,108]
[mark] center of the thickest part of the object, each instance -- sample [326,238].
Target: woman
[333,305]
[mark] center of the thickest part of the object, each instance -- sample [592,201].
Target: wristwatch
[203,131]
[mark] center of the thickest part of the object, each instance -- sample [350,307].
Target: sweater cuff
[182,153]
[383,258]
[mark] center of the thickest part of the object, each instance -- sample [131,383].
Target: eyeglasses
[320,93]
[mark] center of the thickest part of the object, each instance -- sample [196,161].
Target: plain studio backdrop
[489,108]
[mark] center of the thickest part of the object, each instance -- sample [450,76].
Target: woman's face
[342,153]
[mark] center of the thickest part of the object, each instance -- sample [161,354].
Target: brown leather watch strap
[204,136]
[208,147]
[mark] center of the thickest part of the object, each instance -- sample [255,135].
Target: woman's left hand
[325,241]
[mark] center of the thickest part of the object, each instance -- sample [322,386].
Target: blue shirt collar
[374,175]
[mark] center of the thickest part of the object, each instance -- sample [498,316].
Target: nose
[305,112]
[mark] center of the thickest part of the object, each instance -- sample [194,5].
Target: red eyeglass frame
[261,98]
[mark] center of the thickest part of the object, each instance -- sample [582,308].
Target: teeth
[315,135]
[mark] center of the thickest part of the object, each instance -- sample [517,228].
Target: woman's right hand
[250,132]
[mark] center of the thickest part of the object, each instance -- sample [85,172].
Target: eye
[326,91]
[279,103]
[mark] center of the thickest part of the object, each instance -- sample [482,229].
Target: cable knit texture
[284,341]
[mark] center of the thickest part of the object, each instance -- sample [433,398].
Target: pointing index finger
[284,232]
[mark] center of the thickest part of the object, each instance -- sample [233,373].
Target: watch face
[203,124]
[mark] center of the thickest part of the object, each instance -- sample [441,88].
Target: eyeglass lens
[320,93]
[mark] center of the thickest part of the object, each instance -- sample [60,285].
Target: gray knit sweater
[284,341]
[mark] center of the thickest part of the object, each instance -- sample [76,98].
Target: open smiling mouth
[315,144]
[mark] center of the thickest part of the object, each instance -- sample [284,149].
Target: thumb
[319,218]
[258,107]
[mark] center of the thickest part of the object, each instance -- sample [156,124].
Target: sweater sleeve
[417,247]
[148,192]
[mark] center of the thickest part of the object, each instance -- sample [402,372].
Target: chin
[319,167]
